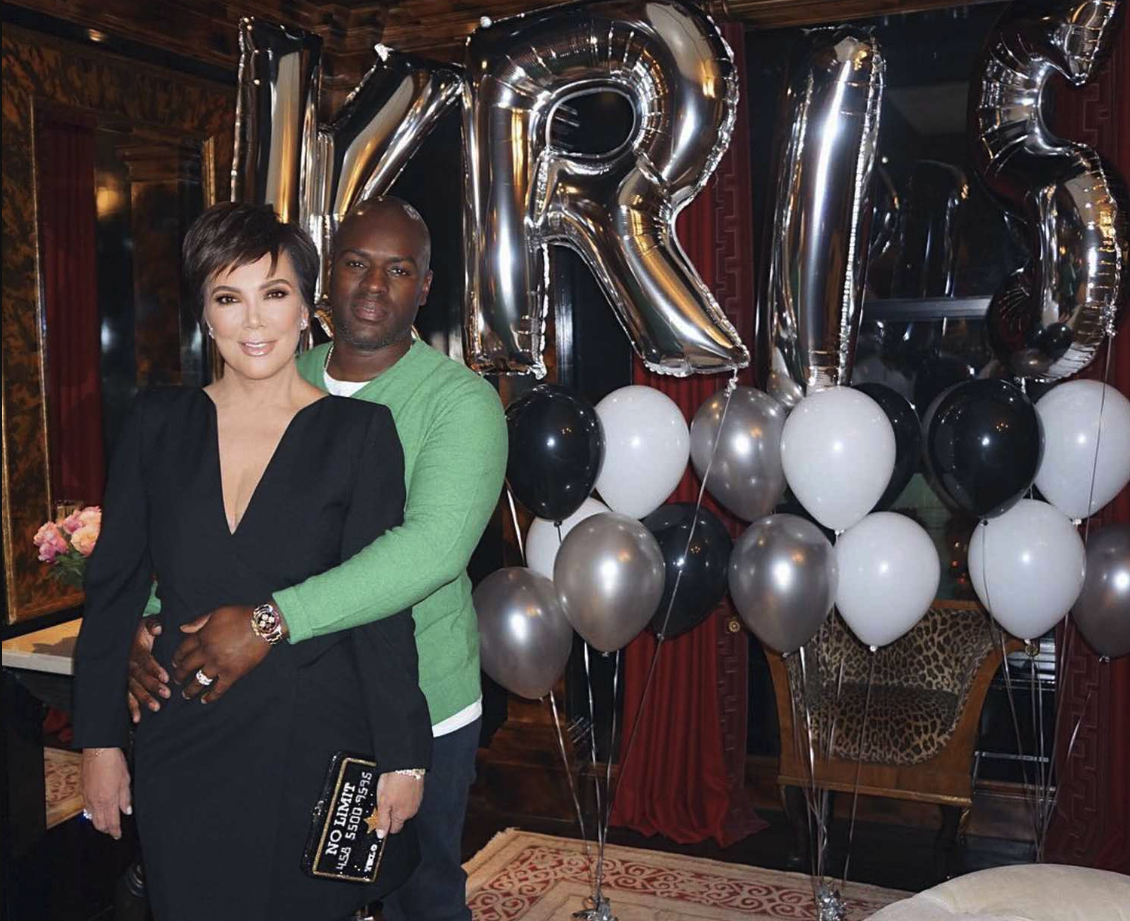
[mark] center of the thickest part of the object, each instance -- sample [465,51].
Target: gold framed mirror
[106,161]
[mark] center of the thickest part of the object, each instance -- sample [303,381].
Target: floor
[75,872]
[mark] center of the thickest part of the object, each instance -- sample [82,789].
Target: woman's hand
[398,799]
[105,788]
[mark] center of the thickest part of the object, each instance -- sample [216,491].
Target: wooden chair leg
[954,822]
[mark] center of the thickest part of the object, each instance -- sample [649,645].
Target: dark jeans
[437,891]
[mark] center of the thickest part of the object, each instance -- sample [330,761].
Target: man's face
[379,278]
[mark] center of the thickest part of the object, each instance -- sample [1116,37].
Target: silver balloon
[1048,320]
[609,574]
[783,579]
[1102,612]
[275,116]
[379,127]
[808,315]
[616,210]
[525,639]
[745,475]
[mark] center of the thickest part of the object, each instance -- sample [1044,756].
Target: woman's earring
[304,323]
[211,332]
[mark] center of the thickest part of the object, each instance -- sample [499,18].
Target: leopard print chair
[917,741]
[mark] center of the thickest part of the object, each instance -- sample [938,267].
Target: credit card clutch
[343,843]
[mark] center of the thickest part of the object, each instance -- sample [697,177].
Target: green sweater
[453,432]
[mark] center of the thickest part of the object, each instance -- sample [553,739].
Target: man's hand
[105,789]
[147,680]
[223,647]
[398,798]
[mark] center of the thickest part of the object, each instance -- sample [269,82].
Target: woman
[230,493]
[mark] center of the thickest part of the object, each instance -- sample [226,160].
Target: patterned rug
[520,876]
[61,771]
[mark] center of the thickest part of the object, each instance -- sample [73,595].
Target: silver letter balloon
[616,210]
[808,316]
[275,116]
[380,126]
[1048,320]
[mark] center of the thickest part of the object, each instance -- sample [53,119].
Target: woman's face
[255,316]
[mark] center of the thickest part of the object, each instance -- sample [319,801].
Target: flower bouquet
[65,544]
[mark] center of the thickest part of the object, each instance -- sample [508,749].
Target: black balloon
[937,373]
[908,439]
[704,565]
[984,444]
[556,446]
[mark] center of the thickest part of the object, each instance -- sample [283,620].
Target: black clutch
[343,844]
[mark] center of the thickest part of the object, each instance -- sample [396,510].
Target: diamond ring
[202,678]
[87,814]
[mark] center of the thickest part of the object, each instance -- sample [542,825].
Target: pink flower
[71,523]
[91,517]
[50,542]
[84,539]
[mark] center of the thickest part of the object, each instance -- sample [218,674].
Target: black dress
[223,792]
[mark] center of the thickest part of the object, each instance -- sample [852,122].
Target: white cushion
[1035,892]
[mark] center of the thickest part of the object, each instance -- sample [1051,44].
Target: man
[453,433]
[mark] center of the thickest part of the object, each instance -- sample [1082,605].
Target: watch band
[266,623]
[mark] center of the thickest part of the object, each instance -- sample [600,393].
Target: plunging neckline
[232,532]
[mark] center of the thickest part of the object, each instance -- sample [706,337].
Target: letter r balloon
[616,210]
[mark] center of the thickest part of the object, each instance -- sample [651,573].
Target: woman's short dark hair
[229,235]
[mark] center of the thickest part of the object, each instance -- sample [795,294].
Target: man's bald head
[396,215]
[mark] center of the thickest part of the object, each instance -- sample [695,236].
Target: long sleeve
[118,577]
[455,485]
[386,649]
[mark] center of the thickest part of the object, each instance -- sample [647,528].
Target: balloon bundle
[523,192]
[988,445]
[594,567]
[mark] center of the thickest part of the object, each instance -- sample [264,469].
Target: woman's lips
[257,349]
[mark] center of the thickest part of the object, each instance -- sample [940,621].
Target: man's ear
[425,288]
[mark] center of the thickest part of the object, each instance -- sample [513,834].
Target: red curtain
[684,775]
[65,154]
[1091,826]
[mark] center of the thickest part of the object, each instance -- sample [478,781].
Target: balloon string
[829,741]
[1050,798]
[611,747]
[595,783]
[661,636]
[569,775]
[1029,791]
[1054,800]
[517,528]
[858,767]
[817,808]
[1098,440]
[798,747]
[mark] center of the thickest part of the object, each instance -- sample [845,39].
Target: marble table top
[48,650]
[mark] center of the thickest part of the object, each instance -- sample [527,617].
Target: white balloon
[1070,414]
[889,575]
[1034,562]
[646,448]
[542,541]
[838,451]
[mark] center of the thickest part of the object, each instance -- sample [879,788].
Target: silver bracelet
[417,773]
